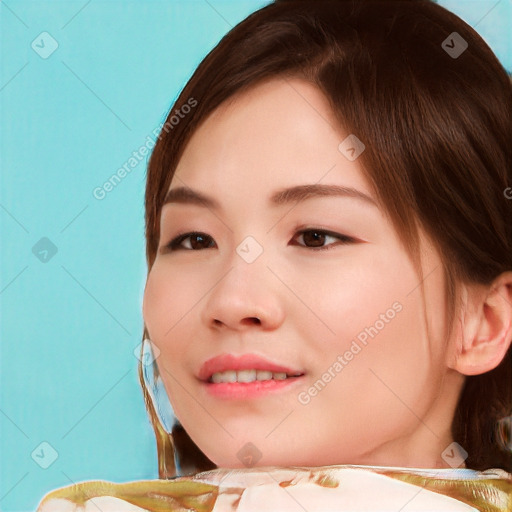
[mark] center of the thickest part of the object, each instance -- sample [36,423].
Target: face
[312,295]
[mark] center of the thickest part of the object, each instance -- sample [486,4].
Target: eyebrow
[187,195]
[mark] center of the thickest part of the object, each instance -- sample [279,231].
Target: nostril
[253,320]
[249,320]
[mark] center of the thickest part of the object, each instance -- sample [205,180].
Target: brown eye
[198,241]
[312,239]
[315,238]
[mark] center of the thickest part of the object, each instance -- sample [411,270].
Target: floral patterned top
[326,488]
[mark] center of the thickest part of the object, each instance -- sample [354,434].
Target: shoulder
[143,495]
[271,488]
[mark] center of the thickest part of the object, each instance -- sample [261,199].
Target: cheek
[377,311]
[369,290]
[388,376]
[164,313]
[398,366]
[161,303]
[151,303]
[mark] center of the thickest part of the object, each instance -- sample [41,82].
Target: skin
[393,403]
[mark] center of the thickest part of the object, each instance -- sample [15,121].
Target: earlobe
[485,333]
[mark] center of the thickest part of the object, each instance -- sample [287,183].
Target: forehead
[278,133]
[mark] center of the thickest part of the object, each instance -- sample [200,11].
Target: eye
[197,241]
[317,237]
[313,236]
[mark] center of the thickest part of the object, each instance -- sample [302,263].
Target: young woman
[329,241]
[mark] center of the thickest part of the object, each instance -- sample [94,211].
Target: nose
[247,295]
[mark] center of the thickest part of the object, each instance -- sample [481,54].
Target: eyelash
[174,244]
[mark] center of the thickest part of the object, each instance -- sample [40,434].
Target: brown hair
[437,130]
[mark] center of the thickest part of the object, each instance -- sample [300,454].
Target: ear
[485,333]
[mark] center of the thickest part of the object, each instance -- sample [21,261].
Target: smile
[245,376]
[248,376]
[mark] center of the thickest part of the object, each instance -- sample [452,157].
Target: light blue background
[69,326]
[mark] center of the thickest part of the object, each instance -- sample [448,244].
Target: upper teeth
[246,376]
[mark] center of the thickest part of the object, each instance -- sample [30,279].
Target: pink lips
[245,390]
[244,362]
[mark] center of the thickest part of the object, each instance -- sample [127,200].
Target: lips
[226,362]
